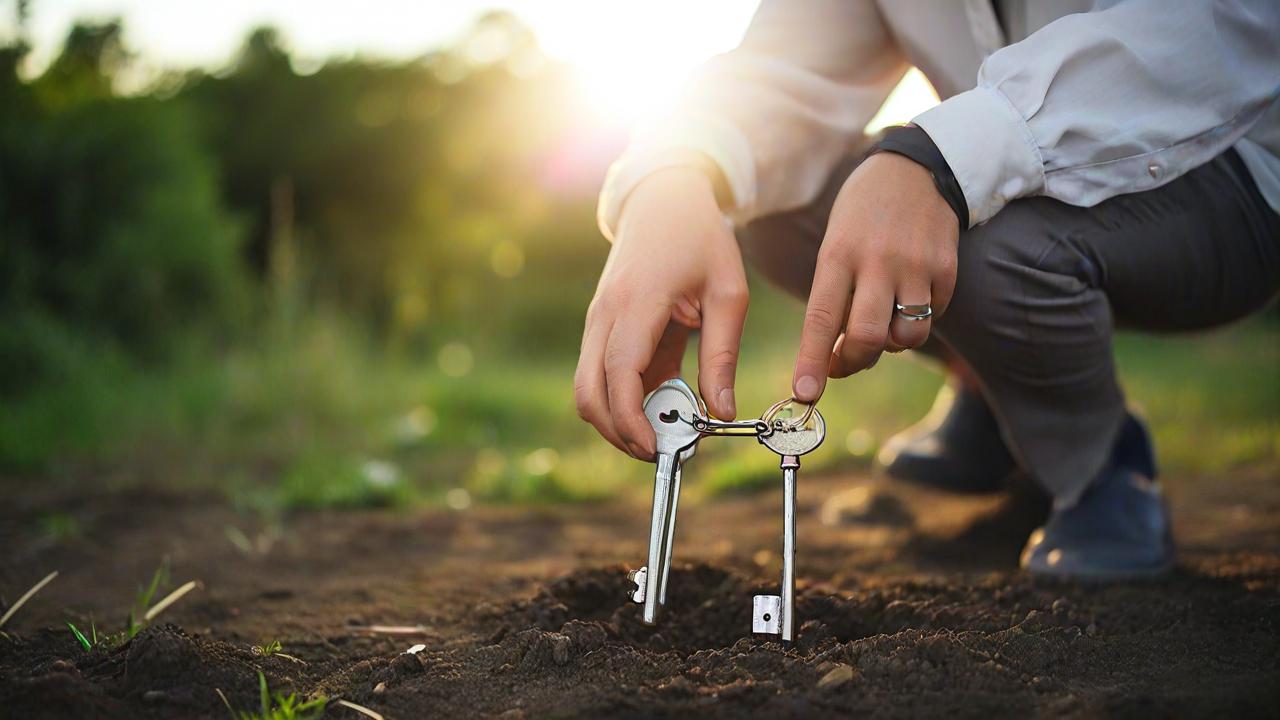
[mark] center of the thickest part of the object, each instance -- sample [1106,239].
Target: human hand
[675,266]
[891,236]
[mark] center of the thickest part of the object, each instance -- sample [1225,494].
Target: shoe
[1120,529]
[957,447]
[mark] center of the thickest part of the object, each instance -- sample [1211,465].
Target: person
[1090,166]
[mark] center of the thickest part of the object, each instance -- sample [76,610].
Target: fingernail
[727,403]
[807,387]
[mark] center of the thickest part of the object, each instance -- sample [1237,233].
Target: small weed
[274,648]
[277,706]
[86,642]
[268,649]
[93,639]
[140,616]
[142,601]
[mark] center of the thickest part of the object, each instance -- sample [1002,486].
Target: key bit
[639,577]
[766,614]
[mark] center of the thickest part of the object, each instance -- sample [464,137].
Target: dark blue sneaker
[1120,529]
[956,448]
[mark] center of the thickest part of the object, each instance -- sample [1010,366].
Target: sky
[612,44]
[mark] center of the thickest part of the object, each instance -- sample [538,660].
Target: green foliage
[277,706]
[93,639]
[111,230]
[85,642]
[351,285]
[142,601]
[268,648]
[136,621]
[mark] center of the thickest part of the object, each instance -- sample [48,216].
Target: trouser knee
[1027,302]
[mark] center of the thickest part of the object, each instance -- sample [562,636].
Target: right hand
[675,266]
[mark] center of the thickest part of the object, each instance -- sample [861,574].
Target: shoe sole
[1106,576]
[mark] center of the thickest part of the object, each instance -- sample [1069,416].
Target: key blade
[663,482]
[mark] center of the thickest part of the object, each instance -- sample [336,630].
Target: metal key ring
[795,422]
[728,428]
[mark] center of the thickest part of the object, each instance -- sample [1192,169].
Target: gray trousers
[1041,287]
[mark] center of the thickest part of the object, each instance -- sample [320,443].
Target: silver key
[792,436]
[671,409]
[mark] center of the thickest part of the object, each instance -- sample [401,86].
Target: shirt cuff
[716,139]
[989,147]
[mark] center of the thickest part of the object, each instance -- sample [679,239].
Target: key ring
[795,422]
[751,428]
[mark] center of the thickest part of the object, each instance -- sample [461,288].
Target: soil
[910,604]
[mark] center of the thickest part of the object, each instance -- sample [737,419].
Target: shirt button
[1154,171]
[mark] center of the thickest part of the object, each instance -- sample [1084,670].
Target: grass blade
[27,596]
[169,599]
[84,641]
[361,709]
[262,691]
[226,702]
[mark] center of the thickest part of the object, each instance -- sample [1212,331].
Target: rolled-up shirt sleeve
[1115,101]
[775,114]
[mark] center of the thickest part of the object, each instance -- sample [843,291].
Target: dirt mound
[577,647]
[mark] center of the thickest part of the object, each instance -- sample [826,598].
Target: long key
[792,437]
[670,409]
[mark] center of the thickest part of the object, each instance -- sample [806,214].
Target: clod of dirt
[836,677]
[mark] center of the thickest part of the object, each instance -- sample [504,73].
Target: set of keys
[679,418]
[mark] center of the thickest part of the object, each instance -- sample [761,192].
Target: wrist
[678,190]
[913,143]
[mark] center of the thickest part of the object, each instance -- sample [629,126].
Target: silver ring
[913,312]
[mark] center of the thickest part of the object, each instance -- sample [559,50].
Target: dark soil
[910,603]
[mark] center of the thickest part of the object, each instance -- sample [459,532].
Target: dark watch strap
[913,142]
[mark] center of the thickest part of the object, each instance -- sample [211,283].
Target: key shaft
[664,479]
[790,467]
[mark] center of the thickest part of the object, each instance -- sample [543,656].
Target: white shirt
[1090,100]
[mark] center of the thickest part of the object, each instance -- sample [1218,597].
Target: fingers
[668,357]
[723,314]
[867,329]
[589,392]
[823,320]
[905,333]
[631,344]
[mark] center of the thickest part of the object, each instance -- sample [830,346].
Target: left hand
[891,236]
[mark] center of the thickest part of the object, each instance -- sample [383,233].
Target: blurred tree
[402,178]
[111,229]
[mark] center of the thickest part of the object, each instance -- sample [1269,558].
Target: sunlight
[632,58]
[627,75]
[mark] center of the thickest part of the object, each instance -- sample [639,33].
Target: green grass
[145,609]
[314,417]
[268,648]
[278,706]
